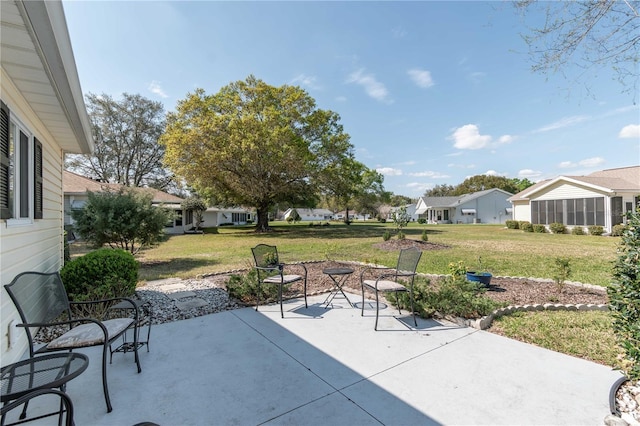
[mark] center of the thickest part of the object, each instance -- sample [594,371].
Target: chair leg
[257,295]
[135,347]
[305,293]
[375,327]
[105,388]
[413,312]
[280,297]
[362,306]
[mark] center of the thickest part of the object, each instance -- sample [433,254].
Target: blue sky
[430,92]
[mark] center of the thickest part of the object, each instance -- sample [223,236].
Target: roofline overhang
[47,26]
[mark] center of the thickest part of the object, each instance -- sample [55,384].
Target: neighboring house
[310,214]
[42,117]
[411,211]
[600,198]
[218,216]
[353,215]
[488,206]
[76,187]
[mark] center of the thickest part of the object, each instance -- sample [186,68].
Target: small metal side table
[339,276]
[145,316]
[35,374]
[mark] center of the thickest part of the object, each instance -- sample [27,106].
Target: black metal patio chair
[42,301]
[270,271]
[396,280]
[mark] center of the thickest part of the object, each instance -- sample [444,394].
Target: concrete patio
[328,366]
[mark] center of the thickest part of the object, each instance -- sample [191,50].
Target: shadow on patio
[328,366]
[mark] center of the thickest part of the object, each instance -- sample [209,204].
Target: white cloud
[567,165]
[433,175]
[155,88]
[529,174]
[591,162]
[469,137]
[504,139]
[632,131]
[421,77]
[563,122]
[372,87]
[493,173]
[389,171]
[419,186]
[305,80]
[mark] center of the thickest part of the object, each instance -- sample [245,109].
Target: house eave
[38,59]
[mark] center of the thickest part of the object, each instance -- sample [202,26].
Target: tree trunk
[262,223]
[346,217]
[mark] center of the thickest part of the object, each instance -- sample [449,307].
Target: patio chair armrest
[294,265]
[134,307]
[71,321]
[371,269]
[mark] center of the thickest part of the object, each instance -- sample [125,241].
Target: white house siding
[521,211]
[561,191]
[37,246]
[39,84]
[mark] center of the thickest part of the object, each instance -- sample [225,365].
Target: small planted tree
[198,207]
[400,218]
[124,219]
[624,296]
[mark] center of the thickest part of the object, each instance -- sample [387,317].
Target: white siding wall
[37,246]
[563,191]
[521,211]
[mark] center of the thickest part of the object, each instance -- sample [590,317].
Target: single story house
[220,216]
[310,215]
[488,206]
[42,117]
[353,215]
[76,187]
[411,211]
[600,198]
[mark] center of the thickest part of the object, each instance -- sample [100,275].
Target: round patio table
[338,277]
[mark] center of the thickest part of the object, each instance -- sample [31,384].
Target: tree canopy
[256,145]
[590,34]
[126,134]
[480,183]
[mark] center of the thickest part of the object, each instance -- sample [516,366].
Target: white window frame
[15,127]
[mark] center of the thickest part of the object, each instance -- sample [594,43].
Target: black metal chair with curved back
[41,301]
[270,271]
[390,282]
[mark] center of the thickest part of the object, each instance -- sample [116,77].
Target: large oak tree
[255,145]
[126,133]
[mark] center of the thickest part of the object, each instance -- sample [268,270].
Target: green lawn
[503,251]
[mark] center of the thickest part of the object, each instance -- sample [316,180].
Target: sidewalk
[328,366]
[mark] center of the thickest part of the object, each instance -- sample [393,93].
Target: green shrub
[452,296]
[382,220]
[624,296]
[100,274]
[386,236]
[540,229]
[422,220]
[244,288]
[401,235]
[617,230]
[526,226]
[512,224]
[67,252]
[577,230]
[561,272]
[557,228]
[424,237]
[596,230]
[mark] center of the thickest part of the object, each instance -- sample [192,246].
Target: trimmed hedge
[100,274]
[596,230]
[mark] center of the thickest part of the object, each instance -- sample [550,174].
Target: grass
[587,335]
[503,251]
